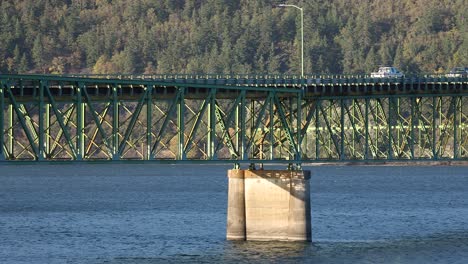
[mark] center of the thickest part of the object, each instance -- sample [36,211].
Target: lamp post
[302,34]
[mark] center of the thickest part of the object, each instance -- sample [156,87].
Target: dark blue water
[99,213]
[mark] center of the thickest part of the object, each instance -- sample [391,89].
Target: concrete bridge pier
[269,205]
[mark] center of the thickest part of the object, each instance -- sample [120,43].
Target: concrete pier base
[236,206]
[269,205]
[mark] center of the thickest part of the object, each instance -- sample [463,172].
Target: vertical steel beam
[375,144]
[354,131]
[238,132]
[272,128]
[42,85]
[252,133]
[48,130]
[11,131]
[181,124]
[241,127]
[115,124]
[328,119]
[149,121]
[317,129]
[212,124]
[342,132]
[366,124]
[299,126]
[456,111]
[211,137]
[413,125]
[80,120]
[398,127]
[2,122]
[434,127]
[389,123]
[292,150]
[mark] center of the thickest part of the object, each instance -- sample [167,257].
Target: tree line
[231,36]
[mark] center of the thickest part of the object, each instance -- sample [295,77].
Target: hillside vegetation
[231,36]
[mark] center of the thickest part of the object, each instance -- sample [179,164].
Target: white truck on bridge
[387,72]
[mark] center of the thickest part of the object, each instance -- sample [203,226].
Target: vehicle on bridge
[458,72]
[387,72]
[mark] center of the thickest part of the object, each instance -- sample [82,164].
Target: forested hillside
[231,36]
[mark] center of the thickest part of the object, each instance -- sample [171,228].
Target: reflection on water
[444,248]
[166,214]
[262,251]
[237,252]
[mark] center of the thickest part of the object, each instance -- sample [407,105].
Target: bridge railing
[260,80]
[296,79]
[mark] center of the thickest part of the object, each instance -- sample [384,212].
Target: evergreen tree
[38,54]
[16,55]
[371,61]
[23,64]
[245,36]
[386,57]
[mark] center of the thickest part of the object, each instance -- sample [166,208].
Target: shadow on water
[436,248]
[237,252]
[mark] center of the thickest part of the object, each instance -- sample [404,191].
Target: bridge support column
[269,205]
[236,206]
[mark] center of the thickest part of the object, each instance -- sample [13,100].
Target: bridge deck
[229,87]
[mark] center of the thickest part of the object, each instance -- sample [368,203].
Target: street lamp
[302,34]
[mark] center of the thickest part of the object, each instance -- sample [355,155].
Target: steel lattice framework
[232,119]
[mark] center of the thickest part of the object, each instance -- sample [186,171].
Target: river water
[144,213]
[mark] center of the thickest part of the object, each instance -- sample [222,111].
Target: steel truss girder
[392,128]
[242,125]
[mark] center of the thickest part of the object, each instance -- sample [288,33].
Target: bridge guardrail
[278,79]
[254,79]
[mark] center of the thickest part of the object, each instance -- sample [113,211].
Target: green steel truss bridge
[236,119]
